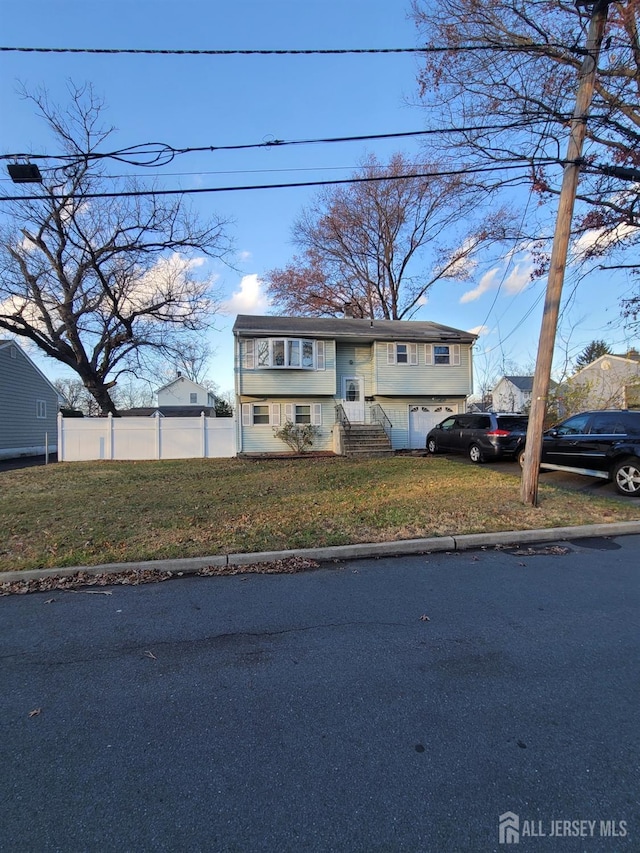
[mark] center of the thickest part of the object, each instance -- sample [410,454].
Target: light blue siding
[260,438]
[422,378]
[354,360]
[269,382]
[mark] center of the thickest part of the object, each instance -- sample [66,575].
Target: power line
[162,153]
[293,52]
[200,190]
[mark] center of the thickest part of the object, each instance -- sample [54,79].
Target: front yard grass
[89,513]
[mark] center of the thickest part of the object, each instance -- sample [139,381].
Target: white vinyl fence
[84,439]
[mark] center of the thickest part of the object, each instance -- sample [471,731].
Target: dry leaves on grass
[72,583]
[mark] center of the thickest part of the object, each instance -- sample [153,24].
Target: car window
[573,426]
[513,423]
[463,421]
[632,420]
[447,424]
[482,422]
[608,423]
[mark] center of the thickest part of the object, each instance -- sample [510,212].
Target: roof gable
[183,380]
[6,342]
[619,360]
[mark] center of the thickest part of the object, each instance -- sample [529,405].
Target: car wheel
[475,454]
[432,447]
[626,476]
[520,458]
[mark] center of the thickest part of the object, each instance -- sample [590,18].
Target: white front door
[353,398]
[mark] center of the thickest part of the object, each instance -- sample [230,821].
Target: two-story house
[339,373]
[512,394]
[182,391]
[180,398]
[28,405]
[609,382]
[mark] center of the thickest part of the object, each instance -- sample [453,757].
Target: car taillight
[499,432]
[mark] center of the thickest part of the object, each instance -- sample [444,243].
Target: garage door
[421,420]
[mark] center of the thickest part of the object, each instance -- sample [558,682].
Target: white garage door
[421,420]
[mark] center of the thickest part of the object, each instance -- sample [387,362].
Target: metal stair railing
[379,416]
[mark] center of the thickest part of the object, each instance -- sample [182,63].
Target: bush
[299,437]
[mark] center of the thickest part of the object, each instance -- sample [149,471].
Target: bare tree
[378,245]
[102,285]
[506,82]
[191,361]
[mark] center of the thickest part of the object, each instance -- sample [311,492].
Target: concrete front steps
[366,440]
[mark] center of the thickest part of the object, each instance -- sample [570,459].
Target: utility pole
[555,280]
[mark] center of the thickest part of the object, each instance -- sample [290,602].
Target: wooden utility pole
[555,280]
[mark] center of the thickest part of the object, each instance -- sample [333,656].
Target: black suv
[483,436]
[603,444]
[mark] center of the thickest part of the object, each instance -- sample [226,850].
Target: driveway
[382,705]
[26,462]
[561,479]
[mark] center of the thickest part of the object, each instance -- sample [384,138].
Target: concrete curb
[191,565]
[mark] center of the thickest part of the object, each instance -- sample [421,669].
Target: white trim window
[401,353]
[287,353]
[261,414]
[41,409]
[193,398]
[303,413]
[442,354]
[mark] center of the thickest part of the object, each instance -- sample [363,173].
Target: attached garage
[424,418]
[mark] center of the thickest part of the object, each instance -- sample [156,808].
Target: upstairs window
[442,354]
[402,353]
[41,409]
[193,398]
[288,353]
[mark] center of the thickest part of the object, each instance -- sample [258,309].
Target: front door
[353,398]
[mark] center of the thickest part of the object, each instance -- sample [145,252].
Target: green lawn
[98,512]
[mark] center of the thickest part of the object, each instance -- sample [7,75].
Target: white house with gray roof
[347,375]
[28,405]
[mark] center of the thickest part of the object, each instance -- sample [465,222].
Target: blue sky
[189,101]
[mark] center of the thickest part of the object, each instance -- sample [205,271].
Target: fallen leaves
[133,577]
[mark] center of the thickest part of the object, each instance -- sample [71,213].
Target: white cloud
[519,279]
[602,238]
[249,299]
[479,330]
[485,283]
[244,256]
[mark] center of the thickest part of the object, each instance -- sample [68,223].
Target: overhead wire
[163,153]
[292,185]
[507,48]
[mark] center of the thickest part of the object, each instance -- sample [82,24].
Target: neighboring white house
[512,393]
[28,405]
[609,382]
[184,392]
[344,374]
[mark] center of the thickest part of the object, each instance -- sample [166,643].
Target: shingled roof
[348,329]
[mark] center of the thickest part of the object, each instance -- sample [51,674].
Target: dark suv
[487,435]
[603,444]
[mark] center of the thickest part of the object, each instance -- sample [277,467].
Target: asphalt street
[397,704]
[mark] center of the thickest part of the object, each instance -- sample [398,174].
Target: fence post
[110,436]
[157,419]
[60,438]
[203,424]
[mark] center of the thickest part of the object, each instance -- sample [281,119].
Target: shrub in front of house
[299,437]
